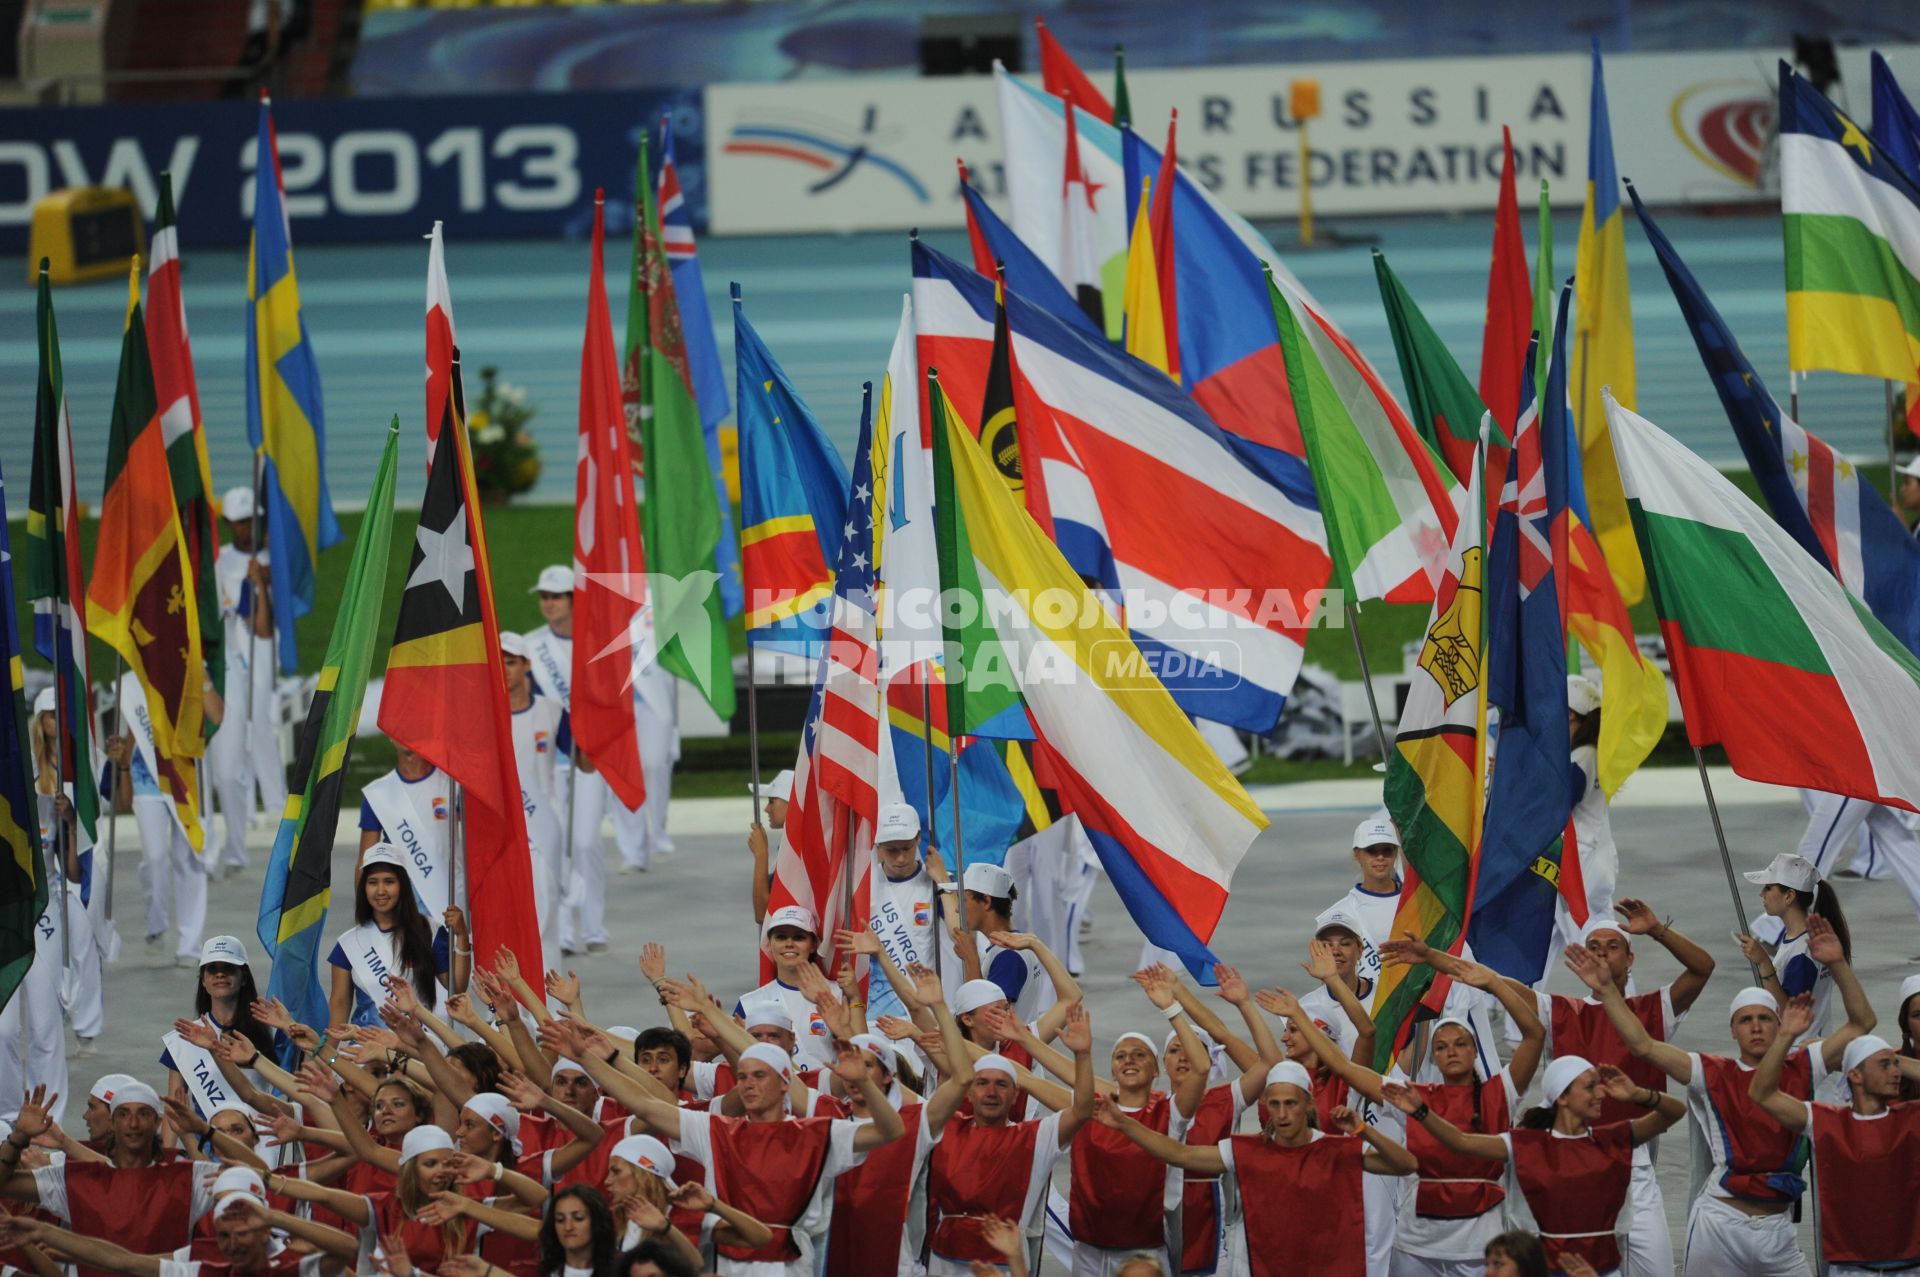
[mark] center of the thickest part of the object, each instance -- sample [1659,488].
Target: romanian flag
[1603,345]
[140,599]
[299,883]
[23,883]
[285,422]
[1436,777]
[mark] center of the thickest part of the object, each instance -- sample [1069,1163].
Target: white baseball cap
[497,1112]
[47,702]
[1561,1074]
[110,1085]
[227,949]
[990,881]
[881,1049]
[1376,830]
[554,579]
[1911,469]
[975,994]
[1583,694]
[791,916]
[1862,1049]
[647,1154]
[995,1063]
[236,504]
[1338,916]
[382,853]
[898,822]
[1290,1073]
[780,787]
[768,1015]
[237,1186]
[512,644]
[424,1139]
[1788,870]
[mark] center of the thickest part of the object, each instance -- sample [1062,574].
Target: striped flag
[23,878]
[1078,268]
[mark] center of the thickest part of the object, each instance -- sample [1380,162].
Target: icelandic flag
[1814,493]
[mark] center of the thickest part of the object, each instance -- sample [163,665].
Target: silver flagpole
[1726,860]
[1366,679]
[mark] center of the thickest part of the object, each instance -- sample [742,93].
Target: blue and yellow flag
[285,422]
[23,886]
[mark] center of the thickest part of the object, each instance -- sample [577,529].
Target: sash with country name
[370,960]
[139,724]
[196,1066]
[421,835]
[552,664]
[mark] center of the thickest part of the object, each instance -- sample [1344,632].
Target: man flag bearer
[903,899]
[537,741]
[245,752]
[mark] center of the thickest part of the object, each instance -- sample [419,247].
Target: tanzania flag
[140,599]
[1436,776]
[294,898]
[1775,661]
[681,518]
[23,886]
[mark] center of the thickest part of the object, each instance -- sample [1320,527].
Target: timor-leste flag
[446,694]
[140,600]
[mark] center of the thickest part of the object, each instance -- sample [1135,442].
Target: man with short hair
[245,751]
[538,739]
[902,907]
[776,794]
[410,807]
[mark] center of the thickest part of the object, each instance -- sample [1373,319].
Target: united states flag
[826,861]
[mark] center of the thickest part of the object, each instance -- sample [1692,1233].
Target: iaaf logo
[1727,124]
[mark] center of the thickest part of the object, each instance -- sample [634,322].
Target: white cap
[228,949]
[135,1093]
[768,1015]
[1601,923]
[110,1085]
[780,787]
[1561,1074]
[990,881]
[1141,1038]
[994,1062]
[975,994]
[1911,469]
[1753,996]
[556,579]
[1908,987]
[47,702]
[898,822]
[512,644]
[1375,830]
[382,853]
[881,1050]
[1788,870]
[1339,916]
[238,1184]
[1862,1049]
[562,1064]
[495,1111]
[623,1032]
[771,1056]
[1456,1020]
[424,1139]
[791,916]
[1290,1073]
[647,1154]
[236,504]
[1328,1027]
[1173,1040]
[1583,694]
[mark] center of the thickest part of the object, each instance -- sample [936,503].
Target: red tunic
[977,1171]
[284,1264]
[1119,1188]
[1576,1189]
[1868,1169]
[1200,1196]
[1581,1028]
[870,1204]
[426,1246]
[769,1170]
[687,1171]
[1764,1158]
[521,1258]
[1329,1093]
[1437,1162]
[146,1209]
[1303,1207]
[591,1170]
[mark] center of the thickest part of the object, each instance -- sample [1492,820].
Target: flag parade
[1099,575]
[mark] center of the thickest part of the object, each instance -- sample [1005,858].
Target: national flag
[1602,338]
[681,518]
[140,598]
[997,251]
[1160,255]
[704,369]
[56,590]
[1445,407]
[182,427]
[1011,420]
[608,562]
[1146,325]
[1079,268]
[1509,303]
[1896,129]
[298,889]
[1543,277]
[993,807]
[1436,775]
[909,567]
[1819,497]
[442,338]
[285,420]
[1063,78]
[1389,505]
[445,695]
[1516,875]
[1775,661]
[793,501]
[1167,820]
[1123,450]
[23,879]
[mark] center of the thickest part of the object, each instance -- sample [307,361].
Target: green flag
[23,880]
[1446,408]
[680,520]
[1544,293]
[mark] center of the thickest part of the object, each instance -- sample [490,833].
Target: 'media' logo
[1726,124]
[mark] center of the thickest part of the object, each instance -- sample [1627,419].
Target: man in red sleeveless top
[1579,1026]
[1866,1157]
[985,1163]
[1299,1202]
[1742,1221]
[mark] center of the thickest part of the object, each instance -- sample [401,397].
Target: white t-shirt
[230,577]
[1046,1150]
[696,1141]
[1376,911]
[903,919]
[1454,1240]
[552,661]
[536,735]
[812,1041]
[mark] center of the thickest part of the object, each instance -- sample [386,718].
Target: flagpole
[457,842]
[959,842]
[113,824]
[1726,860]
[1366,679]
[1893,431]
[753,731]
[926,734]
[253,624]
[1793,394]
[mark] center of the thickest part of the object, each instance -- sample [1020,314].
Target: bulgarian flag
[1775,661]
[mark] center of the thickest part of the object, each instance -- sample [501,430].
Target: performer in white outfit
[245,752]
[776,794]
[537,741]
[902,907]
[641,831]
[172,873]
[1886,841]
[1592,823]
[410,807]
[81,986]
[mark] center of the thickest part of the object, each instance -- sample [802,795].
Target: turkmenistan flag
[1774,660]
[680,521]
[23,886]
[1436,777]
[1852,221]
[1446,409]
[294,898]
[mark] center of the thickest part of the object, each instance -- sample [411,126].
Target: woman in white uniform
[1592,823]
[391,937]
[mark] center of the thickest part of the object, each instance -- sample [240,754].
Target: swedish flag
[285,422]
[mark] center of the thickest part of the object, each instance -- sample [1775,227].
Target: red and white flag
[440,338]
[1079,271]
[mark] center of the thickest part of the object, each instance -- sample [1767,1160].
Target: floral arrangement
[505,458]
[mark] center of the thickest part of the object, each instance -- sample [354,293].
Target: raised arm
[587,1133]
[317,1082]
[1203,1158]
[1320,967]
[662,1117]
[1158,983]
[1232,990]
[1361,1078]
[958,1075]
[1823,946]
[351,1207]
[865,943]
[1637,918]
[1065,987]
[886,1125]
[90,1252]
[1077,1036]
[757,847]
[1765,1087]
[1385,1156]
[1589,970]
[745,1229]
[1521,1010]
[1663,1110]
[330,1242]
[1403,1097]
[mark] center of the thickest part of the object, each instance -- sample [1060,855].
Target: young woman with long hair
[430,1166]
[648,1204]
[1791,891]
[391,937]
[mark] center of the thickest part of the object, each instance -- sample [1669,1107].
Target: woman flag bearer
[391,937]
[1573,1170]
[1742,1221]
[1792,891]
[791,936]
[1866,1157]
[1296,1191]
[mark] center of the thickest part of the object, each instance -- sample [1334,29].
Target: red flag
[607,556]
[1160,222]
[983,260]
[1063,78]
[1503,348]
[440,338]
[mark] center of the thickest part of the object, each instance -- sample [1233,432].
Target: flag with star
[446,694]
[1813,492]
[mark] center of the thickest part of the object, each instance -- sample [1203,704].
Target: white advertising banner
[1392,137]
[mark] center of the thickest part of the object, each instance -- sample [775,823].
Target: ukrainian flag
[1603,346]
[285,422]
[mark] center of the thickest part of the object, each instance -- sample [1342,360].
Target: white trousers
[175,879]
[583,918]
[1724,1242]
[1889,841]
[1405,1265]
[33,1033]
[641,831]
[85,975]
[245,752]
[1649,1246]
